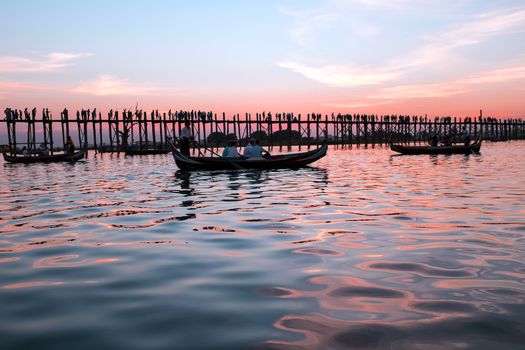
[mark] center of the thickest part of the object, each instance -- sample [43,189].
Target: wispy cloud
[498,76]
[403,93]
[439,48]
[307,24]
[451,87]
[420,91]
[45,63]
[8,88]
[15,85]
[342,75]
[397,3]
[108,85]
[104,85]
[355,105]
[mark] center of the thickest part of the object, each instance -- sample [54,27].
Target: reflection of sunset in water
[362,250]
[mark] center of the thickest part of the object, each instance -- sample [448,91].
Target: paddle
[237,166]
[472,150]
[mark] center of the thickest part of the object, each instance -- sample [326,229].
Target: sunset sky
[434,57]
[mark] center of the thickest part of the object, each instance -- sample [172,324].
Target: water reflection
[361,250]
[184,177]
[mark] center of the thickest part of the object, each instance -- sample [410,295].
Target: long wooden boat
[290,160]
[62,157]
[453,149]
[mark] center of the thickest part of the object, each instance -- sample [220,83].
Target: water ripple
[361,250]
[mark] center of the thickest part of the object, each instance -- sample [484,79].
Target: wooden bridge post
[358,129]
[270,128]
[80,117]
[153,129]
[238,132]
[62,126]
[205,118]
[93,126]
[373,129]
[100,129]
[11,132]
[316,116]
[350,129]
[117,129]
[110,129]
[335,124]
[365,126]
[166,123]
[289,128]
[326,127]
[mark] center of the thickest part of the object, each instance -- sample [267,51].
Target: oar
[235,165]
[473,150]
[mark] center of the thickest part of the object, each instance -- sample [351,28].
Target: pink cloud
[498,76]
[441,47]
[9,87]
[343,75]
[15,85]
[108,85]
[448,88]
[453,87]
[50,62]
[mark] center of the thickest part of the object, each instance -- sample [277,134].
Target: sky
[434,57]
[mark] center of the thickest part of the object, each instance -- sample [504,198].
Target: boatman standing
[185,136]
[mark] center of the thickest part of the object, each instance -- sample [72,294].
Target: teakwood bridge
[116,131]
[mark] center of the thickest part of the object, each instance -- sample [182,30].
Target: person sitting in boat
[466,136]
[70,146]
[249,149]
[25,152]
[230,151]
[43,150]
[258,151]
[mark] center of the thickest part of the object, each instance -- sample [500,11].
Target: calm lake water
[363,250]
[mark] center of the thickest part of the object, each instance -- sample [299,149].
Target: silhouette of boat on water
[141,152]
[145,148]
[451,149]
[290,160]
[61,157]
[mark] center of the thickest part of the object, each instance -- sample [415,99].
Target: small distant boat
[142,152]
[62,157]
[145,148]
[290,160]
[452,149]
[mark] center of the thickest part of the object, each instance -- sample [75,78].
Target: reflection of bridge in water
[150,131]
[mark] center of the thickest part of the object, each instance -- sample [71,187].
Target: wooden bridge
[118,131]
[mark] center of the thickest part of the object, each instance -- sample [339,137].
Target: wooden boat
[142,148]
[62,157]
[290,160]
[453,149]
